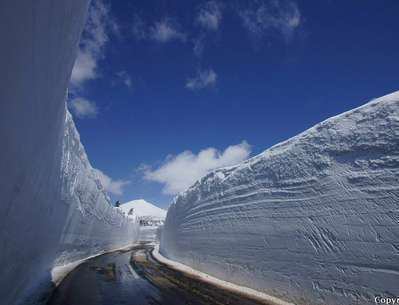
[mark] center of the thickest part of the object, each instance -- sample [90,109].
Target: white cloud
[281,16]
[84,68]
[125,78]
[210,16]
[161,31]
[83,108]
[208,19]
[181,171]
[165,31]
[92,44]
[114,187]
[203,79]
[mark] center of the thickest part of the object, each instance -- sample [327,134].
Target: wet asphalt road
[133,277]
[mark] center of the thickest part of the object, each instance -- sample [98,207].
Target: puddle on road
[108,271]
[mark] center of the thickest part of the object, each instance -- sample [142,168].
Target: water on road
[134,277]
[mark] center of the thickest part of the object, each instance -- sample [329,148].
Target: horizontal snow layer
[53,208]
[92,224]
[313,220]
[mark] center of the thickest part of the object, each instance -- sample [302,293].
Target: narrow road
[134,277]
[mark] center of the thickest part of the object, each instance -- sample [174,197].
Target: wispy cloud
[165,31]
[125,78]
[181,171]
[267,17]
[203,79]
[162,31]
[210,16]
[139,28]
[94,38]
[114,187]
[199,44]
[208,19]
[83,108]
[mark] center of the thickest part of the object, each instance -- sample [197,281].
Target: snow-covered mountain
[313,220]
[143,210]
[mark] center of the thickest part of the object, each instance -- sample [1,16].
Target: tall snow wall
[313,220]
[53,207]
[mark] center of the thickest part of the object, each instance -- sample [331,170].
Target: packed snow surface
[313,220]
[142,208]
[54,210]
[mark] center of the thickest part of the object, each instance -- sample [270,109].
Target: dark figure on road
[117,203]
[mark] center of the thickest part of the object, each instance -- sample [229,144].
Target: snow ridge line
[217,282]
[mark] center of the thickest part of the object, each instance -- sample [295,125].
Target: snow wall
[313,220]
[53,207]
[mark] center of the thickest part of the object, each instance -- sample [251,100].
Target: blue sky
[164,91]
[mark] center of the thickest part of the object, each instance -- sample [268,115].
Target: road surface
[134,277]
